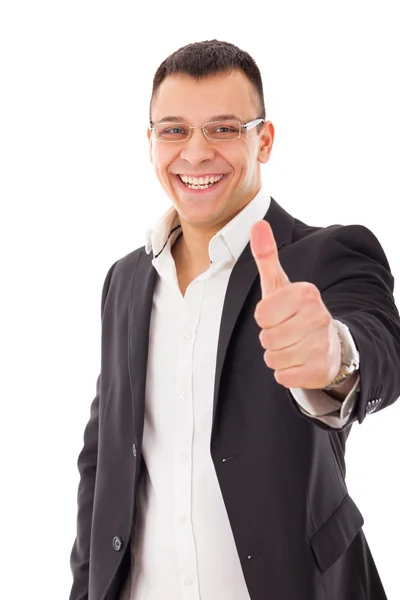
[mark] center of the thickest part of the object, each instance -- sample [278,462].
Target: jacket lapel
[140,306]
[243,275]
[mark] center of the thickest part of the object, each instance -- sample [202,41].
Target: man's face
[238,161]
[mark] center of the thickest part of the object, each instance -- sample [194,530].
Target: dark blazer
[282,474]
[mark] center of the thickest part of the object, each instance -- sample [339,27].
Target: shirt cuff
[320,405]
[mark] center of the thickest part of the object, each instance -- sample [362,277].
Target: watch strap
[349,353]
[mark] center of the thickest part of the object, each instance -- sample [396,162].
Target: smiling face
[237,161]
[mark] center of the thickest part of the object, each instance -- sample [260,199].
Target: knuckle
[263,338]
[258,313]
[267,338]
[270,360]
[326,318]
[321,318]
[310,291]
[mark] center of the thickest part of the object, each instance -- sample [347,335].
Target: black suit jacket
[298,532]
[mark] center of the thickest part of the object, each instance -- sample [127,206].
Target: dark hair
[203,59]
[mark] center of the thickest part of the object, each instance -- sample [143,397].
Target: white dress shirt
[183,544]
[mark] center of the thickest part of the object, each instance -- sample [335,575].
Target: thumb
[265,252]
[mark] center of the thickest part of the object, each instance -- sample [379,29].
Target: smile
[200,183]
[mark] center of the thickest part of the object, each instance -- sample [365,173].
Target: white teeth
[199,187]
[199,182]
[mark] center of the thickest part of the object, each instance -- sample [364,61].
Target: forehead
[198,100]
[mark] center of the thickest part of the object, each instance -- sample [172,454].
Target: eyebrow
[223,117]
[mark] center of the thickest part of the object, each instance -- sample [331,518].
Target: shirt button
[183,456]
[183,396]
[183,519]
[188,581]
[187,335]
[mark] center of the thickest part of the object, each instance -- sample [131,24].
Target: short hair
[204,59]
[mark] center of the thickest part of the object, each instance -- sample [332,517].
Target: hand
[297,330]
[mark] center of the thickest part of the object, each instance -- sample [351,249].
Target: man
[238,347]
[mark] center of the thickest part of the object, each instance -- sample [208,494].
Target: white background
[78,192]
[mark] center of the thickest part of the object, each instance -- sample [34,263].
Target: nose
[197,148]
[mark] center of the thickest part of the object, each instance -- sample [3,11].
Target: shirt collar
[236,233]
[158,236]
[229,242]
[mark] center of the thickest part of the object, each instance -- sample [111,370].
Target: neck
[191,248]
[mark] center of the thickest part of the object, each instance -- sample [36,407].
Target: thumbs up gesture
[297,331]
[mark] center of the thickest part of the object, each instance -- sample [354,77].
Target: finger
[287,333]
[265,252]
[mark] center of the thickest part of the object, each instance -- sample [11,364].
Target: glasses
[218,131]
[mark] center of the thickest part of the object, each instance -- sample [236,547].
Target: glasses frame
[247,126]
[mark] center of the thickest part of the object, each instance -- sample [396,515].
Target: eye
[224,129]
[173,130]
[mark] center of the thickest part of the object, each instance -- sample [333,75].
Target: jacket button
[117,544]
[372,405]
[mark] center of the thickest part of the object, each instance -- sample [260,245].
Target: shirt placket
[185,542]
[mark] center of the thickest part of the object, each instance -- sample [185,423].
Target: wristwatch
[350,356]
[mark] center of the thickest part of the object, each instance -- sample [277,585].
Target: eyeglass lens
[215,130]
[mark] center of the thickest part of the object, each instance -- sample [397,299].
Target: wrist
[350,361]
[342,390]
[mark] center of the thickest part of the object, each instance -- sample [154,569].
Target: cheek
[252,158]
[242,155]
[244,163]
[232,157]
[162,159]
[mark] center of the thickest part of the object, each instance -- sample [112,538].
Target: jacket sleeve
[353,275]
[318,404]
[87,466]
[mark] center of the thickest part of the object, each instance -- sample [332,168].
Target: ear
[150,138]
[267,134]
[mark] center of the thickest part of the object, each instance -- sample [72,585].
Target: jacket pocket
[334,537]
